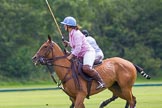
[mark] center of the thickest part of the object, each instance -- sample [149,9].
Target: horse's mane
[57,47]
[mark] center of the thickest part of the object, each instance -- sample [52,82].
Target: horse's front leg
[79,102]
[72,100]
[127,104]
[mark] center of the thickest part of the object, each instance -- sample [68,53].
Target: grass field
[147,97]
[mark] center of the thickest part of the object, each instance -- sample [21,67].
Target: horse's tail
[141,71]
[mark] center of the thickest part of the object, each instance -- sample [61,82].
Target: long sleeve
[78,43]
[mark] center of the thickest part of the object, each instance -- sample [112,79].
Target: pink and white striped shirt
[78,43]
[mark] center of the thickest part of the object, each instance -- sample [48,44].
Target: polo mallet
[54,19]
[52,76]
[65,50]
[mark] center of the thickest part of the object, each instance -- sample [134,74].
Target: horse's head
[45,52]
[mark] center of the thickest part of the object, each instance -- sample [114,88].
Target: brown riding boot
[94,74]
[99,80]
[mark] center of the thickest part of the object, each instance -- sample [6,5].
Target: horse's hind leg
[134,101]
[106,102]
[124,93]
[127,95]
[127,103]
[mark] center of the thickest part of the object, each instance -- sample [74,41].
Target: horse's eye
[45,46]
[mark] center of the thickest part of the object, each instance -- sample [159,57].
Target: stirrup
[101,85]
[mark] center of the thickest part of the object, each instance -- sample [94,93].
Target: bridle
[50,62]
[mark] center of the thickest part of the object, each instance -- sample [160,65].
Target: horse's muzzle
[38,60]
[35,60]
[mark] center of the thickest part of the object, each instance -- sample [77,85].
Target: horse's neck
[61,64]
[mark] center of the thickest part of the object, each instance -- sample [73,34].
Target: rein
[50,62]
[52,75]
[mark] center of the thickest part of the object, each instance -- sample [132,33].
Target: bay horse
[118,74]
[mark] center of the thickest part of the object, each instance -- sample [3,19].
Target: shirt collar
[72,32]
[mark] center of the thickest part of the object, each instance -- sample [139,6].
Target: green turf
[147,97]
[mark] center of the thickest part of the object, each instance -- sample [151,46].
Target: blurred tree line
[130,29]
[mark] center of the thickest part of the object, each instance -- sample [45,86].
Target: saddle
[76,66]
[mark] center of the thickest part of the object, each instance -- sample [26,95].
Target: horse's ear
[49,38]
